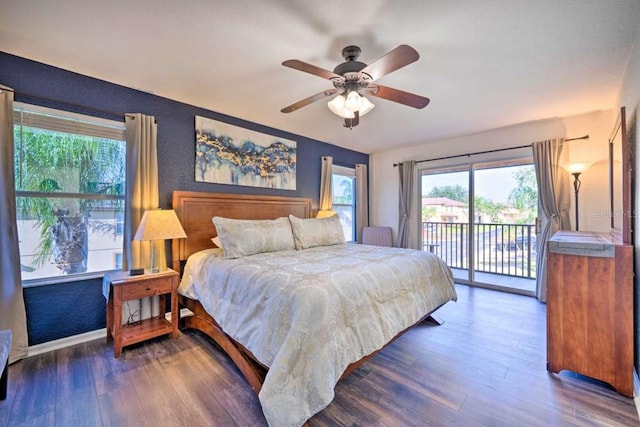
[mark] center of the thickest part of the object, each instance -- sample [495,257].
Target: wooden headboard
[195,211]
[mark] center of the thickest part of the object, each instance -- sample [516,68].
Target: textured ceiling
[484,63]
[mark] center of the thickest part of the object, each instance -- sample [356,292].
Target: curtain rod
[485,152]
[69,104]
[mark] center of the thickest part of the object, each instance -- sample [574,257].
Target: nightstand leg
[175,316]
[109,319]
[162,302]
[117,322]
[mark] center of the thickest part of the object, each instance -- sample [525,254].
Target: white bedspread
[308,314]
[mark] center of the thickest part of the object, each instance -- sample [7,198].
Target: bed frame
[195,211]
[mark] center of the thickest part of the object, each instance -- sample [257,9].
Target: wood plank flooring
[484,367]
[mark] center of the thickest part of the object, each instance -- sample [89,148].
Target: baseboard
[66,342]
[80,338]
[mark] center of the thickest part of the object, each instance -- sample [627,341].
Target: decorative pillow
[216,241]
[312,232]
[242,237]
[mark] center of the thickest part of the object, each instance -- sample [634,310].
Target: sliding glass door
[445,216]
[479,217]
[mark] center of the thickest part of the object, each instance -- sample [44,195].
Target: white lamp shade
[159,224]
[344,107]
[353,101]
[336,105]
[325,214]
[366,106]
[578,167]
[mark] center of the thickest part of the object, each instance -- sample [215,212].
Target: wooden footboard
[253,371]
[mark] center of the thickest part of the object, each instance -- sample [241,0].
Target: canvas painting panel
[228,154]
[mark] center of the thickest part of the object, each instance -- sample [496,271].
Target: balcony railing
[508,249]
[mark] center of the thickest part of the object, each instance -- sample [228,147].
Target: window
[70,177]
[343,191]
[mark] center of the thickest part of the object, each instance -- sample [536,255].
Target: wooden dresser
[590,308]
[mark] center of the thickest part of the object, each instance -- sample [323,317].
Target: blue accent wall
[64,309]
[60,310]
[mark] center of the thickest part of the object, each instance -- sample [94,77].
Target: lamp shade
[365,106]
[346,107]
[325,214]
[159,224]
[353,101]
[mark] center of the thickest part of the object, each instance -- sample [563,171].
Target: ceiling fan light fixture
[336,105]
[353,78]
[366,106]
[339,105]
[353,101]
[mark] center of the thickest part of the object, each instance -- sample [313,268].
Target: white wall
[594,194]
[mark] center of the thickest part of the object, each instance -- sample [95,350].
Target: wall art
[228,154]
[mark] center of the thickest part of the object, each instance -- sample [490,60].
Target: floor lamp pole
[576,190]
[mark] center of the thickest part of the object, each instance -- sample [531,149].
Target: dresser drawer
[147,288]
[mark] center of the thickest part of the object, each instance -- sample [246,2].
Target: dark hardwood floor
[484,367]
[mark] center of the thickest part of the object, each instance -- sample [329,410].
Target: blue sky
[494,184]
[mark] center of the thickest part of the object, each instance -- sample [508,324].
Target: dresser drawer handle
[148,288]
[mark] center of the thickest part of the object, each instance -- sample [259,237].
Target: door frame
[471,163]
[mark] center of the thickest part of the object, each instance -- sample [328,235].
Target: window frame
[344,171]
[57,120]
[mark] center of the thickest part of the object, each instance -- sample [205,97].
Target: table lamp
[325,214]
[158,224]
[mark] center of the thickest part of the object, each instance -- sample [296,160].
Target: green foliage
[345,185]
[453,192]
[428,212]
[484,206]
[50,162]
[525,196]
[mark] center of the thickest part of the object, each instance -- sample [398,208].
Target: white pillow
[312,232]
[242,237]
[216,241]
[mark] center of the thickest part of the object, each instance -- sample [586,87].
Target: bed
[295,321]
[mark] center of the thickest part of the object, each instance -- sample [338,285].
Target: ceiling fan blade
[399,96]
[399,57]
[313,98]
[311,69]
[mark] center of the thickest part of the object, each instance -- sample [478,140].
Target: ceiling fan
[352,80]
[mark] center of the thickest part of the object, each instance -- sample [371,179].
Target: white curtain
[406,170]
[362,200]
[12,310]
[326,173]
[142,185]
[142,194]
[554,202]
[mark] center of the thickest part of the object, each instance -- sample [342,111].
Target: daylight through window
[343,200]
[70,183]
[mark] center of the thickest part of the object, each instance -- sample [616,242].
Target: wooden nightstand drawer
[147,288]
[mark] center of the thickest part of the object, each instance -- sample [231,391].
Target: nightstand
[118,287]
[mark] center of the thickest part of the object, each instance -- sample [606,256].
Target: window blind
[106,129]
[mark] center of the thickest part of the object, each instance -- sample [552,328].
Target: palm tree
[525,195]
[79,168]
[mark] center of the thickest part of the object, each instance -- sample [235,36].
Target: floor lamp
[576,190]
[576,170]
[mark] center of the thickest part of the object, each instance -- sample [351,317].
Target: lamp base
[155,257]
